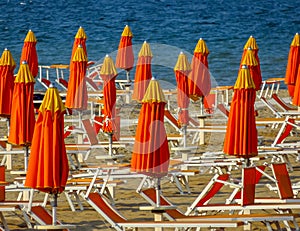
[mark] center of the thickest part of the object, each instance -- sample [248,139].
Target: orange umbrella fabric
[292,69]
[77,90]
[48,166]
[143,73]
[199,77]
[7,67]
[296,90]
[108,73]
[29,53]
[250,60]
[182,70]
[150,151]
[125,57]
[241,134]
[22,118]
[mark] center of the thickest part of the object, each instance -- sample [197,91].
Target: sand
[127,200]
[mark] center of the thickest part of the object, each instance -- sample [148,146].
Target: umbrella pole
[184,135]
[26,158]
[54,208]
[201,105]
[8,125]
[127,77]
[158,192]
[110,144]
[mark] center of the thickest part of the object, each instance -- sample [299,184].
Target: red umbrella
[22,118]
[48,166]
[241,134]
[250,60]
[125,57]
[108,74]
[292,68]
[77,90]
[182,70]
[7,66]
[199,77]
[29,53]
[143,72]
[150,151]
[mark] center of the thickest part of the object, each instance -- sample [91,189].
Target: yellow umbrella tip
[251,43]
[81,33]
[30,37]
[244,79]
[108,66]
[201,47]
[154,93]
[7,59]
[296,40]
[79,55]
[127,32]
[145,50]
[182,63]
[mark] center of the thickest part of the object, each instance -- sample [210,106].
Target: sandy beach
[128,201]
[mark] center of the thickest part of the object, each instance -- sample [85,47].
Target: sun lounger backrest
[248,189]
[63,82]
[283,181]
[218,184]
[2,178]
[42,216]
[172,119]
[106,210]
[223,109]
[90,131]
[281,103]
[287,131]
[150,193]
[258,176]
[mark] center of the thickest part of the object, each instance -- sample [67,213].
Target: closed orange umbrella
[199,77]
[143,72]
[77,90]
[151,154]
[29,53]
[251,42]
[48,166]
[22,118]
[241,134]
[125,57]
[250,60]
[182,70]
[7,67]
[108,73]
[80,39]
[292,68]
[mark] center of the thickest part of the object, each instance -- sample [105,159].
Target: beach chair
[119,222]
[93,143]
[175,214]
[42,217]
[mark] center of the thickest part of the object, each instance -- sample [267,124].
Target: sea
[169,26]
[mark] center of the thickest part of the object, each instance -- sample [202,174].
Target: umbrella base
[55,227]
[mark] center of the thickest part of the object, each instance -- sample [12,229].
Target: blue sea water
[170,26]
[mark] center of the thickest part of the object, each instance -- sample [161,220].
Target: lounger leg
[3,221]
[70,201]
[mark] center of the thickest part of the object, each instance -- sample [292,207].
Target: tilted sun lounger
[119,222]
